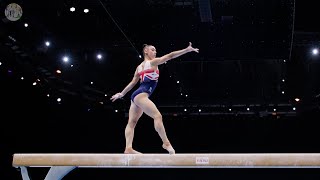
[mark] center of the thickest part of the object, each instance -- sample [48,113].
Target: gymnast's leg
[134,114]
[148,107]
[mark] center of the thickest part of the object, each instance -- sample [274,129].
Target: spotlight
[315,51]
[72,9]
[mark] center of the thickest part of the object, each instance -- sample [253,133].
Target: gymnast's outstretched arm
[132,83]
[174,54]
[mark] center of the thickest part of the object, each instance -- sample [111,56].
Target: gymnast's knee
[157,117]
[132,122]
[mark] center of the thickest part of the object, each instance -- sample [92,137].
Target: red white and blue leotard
[148,79]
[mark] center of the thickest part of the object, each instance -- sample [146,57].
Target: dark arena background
[254,87]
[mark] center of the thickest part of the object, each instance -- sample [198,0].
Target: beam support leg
[58,172]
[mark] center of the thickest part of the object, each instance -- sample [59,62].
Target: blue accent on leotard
[147,87]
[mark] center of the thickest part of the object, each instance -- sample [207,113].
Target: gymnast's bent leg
[148,107]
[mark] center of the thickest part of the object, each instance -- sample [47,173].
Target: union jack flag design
[148,74]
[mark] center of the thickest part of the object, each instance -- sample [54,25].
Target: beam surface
[166,160]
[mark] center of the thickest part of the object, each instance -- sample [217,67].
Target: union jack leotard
[148,79]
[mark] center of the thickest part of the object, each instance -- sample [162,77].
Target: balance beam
[62,164]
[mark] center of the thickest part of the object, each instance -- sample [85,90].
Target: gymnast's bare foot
[167,146]
[130,150]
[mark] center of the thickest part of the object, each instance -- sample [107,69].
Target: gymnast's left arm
[174,54]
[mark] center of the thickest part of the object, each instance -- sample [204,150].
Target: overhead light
[72,9]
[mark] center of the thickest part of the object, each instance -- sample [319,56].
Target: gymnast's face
[150,51]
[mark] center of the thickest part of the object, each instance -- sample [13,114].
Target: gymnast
[148,73]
